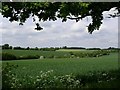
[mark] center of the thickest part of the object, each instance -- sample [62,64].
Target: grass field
[36,52]
[66,66]
[59,52]
[66,53]
[28,73]
[68,50]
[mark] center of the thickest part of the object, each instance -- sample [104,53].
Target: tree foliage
[64,10]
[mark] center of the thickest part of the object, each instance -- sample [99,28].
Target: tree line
[7,46]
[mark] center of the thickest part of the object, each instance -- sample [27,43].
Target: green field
[36,52]
[80,67]
[68,50]
[66,66]
[61,53]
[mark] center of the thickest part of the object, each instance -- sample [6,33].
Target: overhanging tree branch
[21,11]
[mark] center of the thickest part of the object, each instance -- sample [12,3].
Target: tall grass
[46,80]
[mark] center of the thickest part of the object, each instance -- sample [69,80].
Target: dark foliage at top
[64,10]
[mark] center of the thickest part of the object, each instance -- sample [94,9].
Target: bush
[8,56]
[91,54]
[43,80]
[29,57]
[8,77]
[99,77]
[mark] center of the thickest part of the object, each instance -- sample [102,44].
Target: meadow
[66,66]
[61,53]
[61,66]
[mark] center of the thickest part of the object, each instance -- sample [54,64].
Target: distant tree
[10,47]
[5,46]
[64,47]
[113,48]
[36,48]
[93,48]
[17,48]
[27,48]
[76,48]
[56,48]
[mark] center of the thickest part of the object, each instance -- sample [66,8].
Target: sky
[58,33]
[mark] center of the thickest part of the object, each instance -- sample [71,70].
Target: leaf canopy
[21,11]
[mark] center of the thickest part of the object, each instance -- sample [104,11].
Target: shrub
[8,56]
[43,80]
[29,57]
[97,53]
[8,77]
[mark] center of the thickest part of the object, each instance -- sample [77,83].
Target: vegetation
[90,68]
[63,68]
[17,53]
[62,72]
[21,11]
[43,80]
[7,46]
[47,80]
[8,56]
[36,54]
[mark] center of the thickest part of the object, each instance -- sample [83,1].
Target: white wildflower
[104,74]
[37,76]
[38,80]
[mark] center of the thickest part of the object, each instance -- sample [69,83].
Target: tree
[27,48]
[17,48]
[10,47]
[36,48]
[5,46]
[64,10]
[64,47]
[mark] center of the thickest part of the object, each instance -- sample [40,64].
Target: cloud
[57,33]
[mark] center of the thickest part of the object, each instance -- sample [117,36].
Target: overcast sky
[58,33]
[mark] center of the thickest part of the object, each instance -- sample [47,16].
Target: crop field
[62,68]
[66,66]
[60,52]
[50,54]
[73,50]
[35,52]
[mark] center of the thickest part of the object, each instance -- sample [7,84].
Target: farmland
[62,53]
[66,66]
[61,66]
